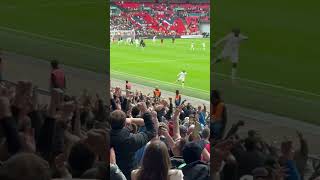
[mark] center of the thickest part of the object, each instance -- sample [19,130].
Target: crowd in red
[150,18]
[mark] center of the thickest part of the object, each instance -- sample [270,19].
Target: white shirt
[174,174]
[232,42]
[182,74]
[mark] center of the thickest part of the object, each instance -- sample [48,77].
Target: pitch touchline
[271,85]
[155,80]
[51,38]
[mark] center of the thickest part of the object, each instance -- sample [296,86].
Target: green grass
[72,31]
[158,65]
[281,51]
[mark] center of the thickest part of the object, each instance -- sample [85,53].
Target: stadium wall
[205,28]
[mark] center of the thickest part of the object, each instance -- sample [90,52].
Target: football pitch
[279,65]
[70,31]
[159,65]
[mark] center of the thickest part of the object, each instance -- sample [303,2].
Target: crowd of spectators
[157,138]
[249,157]
[62,137]
[120,23]
[149,19]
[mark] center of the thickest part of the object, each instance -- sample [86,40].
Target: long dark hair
[155,163]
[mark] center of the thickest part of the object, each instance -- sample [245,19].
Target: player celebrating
[181,77]
[231,49]
[192,46]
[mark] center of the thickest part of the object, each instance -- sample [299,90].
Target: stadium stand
[35,138]
[233,156]
[151,18]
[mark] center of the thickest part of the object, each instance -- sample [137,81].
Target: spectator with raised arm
[125,143]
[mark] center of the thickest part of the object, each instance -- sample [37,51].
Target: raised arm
[243,37]
[176,129]
[142,138]
[137,121]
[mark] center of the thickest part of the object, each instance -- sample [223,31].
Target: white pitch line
[142,62]
[271,85]
[155,80]
[51,38]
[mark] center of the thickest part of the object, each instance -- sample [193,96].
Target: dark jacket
[126,144]
[197,170]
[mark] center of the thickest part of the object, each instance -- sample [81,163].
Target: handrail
[40,90]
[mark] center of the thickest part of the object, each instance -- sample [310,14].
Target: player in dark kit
[161,40]
[173,39]
[142,43]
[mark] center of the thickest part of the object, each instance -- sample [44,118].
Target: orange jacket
[217,111]
[157,93]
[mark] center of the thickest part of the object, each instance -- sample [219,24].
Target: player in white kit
[231,49]
[192,46]
[181,77]
[204,46]
[128,41]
